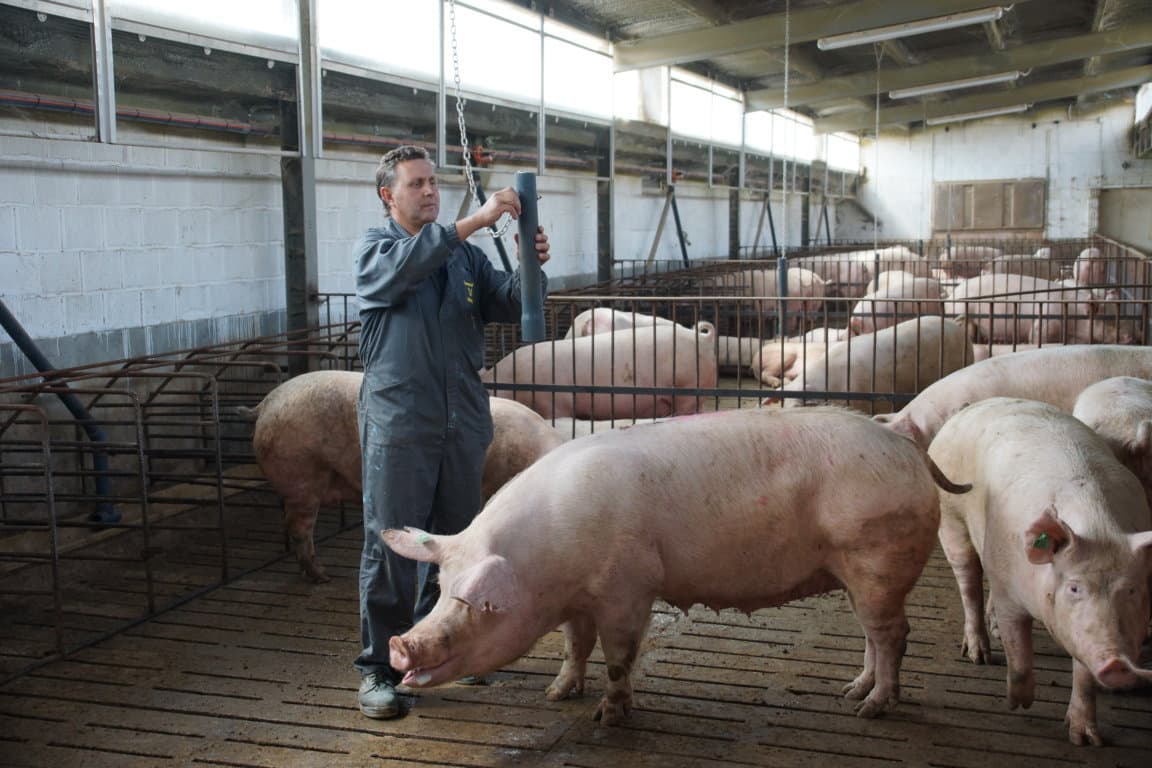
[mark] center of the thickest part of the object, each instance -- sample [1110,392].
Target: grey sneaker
[378,698]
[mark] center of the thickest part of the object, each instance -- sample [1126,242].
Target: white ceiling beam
[1027,94]
[768,31]
[1047,53]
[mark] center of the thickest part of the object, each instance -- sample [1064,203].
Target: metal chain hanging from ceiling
[496,232]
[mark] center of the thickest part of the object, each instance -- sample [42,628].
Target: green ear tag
[423,538]
[1041,542]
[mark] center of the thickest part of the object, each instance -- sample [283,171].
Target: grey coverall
[424,418]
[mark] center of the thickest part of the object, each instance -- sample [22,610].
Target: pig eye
[1074,589]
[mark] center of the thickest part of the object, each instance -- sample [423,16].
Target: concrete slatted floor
[257,673]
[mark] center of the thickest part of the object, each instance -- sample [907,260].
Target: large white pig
[891,302]
[1054,375]
[1038,265]
[805,291]
[781,360]
[605,320]
[985,351]
[1028,309]
[570,429]
[1120,411]
[1060,528]
[1090,268]
[847,274]
[737,352]
[659,356]
[307,445]
[893,277]
[901,360]
[734,509]
[965,260]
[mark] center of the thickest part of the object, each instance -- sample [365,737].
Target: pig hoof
[976,654]
[559,691]
[855,691]
[874,706]
[612,713]
[860,687]
[1079,733]
[317,575]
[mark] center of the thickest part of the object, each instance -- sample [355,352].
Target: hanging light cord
[879,49]
[787,69]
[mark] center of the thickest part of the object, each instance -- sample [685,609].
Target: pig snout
[399,655]
[423,664]
[1119,672]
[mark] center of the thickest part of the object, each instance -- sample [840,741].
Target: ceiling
[1072,53]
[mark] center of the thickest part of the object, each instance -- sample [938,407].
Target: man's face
[414,199]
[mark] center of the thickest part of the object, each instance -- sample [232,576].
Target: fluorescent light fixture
[953,85]
[919,27]
[977,115]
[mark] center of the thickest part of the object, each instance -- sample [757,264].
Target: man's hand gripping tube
[531,295]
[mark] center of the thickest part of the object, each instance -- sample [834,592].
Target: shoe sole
[380,713]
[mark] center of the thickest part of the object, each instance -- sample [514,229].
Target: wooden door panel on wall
[1126,215]
[978,207]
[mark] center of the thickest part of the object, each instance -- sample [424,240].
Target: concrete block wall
[1078,154]
[116,251]
[112,251]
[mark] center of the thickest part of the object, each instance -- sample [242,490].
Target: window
[843,152]
[46,79]
[354,32]
[577,72]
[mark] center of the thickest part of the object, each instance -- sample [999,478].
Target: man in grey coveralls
[424,418]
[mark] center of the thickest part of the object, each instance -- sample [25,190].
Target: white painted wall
[1077,154]
[115,251]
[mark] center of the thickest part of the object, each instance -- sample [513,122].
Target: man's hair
[386,171]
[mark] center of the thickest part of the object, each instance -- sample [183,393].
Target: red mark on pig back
[762,501]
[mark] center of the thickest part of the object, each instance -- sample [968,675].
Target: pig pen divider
[197,514]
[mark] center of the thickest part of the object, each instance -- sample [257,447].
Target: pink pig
[734,509]
[307,445]
[1060,528]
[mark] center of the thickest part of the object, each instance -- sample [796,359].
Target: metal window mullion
[441,107]
[103,72]
[308,82]
[541,123]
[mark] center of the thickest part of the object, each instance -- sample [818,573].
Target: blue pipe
[106,511]
[531,295]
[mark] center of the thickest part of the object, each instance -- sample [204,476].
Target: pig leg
[621,628]
[300,522]
[1016,636]
[1081,716]
[579,640]
[969,575]
[885,632]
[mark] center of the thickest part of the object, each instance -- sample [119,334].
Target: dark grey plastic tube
[531,295]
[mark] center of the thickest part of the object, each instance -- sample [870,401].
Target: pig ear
[904,427]
[1045,537]
[489,586]
[414,544]
[1142,445]
[1141,544]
